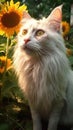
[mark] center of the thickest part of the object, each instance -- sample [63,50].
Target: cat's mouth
[28,49]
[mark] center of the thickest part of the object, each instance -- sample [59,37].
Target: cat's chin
[27,50]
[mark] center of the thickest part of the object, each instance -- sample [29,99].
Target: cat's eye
[40,32]
[24,32]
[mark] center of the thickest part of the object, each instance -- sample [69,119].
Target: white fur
[44,74]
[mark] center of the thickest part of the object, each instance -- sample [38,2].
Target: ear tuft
[26,15]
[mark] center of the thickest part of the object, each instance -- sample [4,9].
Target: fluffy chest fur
[42,83]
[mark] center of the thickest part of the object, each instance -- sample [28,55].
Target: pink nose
[26,40]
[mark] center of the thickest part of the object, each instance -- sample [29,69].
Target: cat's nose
[26,40]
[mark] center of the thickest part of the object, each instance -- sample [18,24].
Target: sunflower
[5,64]
[69,52]
[65,28]
[10,17]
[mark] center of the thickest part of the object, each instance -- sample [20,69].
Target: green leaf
[4,126]
[71,60]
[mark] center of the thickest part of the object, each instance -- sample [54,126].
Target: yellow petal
[1,32]
[7,4]
[17,4]
[11,2]
[23,7]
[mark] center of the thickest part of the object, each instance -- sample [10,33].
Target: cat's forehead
[33,23]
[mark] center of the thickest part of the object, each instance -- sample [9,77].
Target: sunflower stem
[6,54]
[7,46]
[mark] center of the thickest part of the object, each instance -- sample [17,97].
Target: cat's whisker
[43,52]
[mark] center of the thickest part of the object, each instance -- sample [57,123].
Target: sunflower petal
[11,2]
[5,63]
[22,8]
[1,32]
[7,4]
[17,4]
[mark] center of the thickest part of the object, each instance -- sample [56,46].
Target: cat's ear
[26,15]
[55,18]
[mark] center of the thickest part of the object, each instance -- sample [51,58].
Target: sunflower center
[10,20]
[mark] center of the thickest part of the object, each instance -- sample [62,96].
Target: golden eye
[24,32]
[39,32]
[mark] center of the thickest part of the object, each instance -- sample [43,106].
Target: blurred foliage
[14,111]
[45,7]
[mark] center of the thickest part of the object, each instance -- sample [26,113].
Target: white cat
[43,70]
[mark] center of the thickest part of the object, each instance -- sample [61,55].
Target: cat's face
[33,36]
[40,36]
